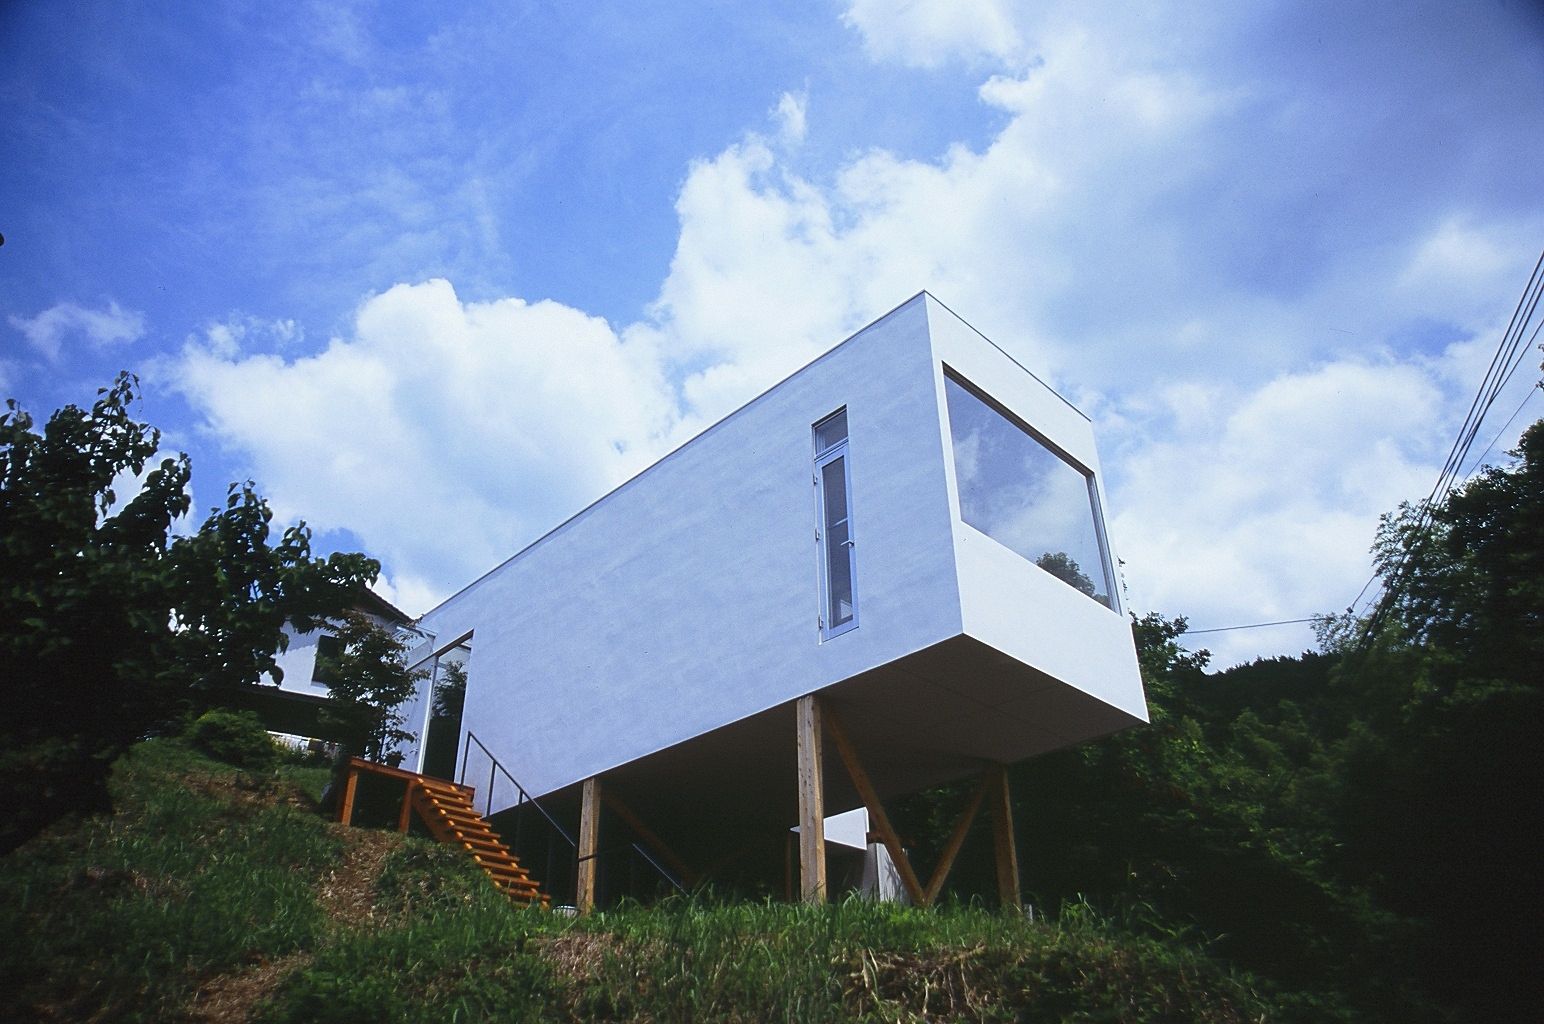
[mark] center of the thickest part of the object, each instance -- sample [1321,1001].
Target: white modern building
[907,535]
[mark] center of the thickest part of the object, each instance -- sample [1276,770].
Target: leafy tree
[1065,568]
[369,682]
[1443,783]
[110,628]
[450,694]
[443,735]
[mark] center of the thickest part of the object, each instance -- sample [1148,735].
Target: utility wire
[1510,352]
[1251,625]
[1505,427]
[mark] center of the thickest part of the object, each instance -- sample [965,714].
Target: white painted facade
[297,661]
[686,604]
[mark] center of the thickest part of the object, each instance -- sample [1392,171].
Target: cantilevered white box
[910,526]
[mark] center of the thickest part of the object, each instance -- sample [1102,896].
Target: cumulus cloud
[443,433]
[791,120]
[1162,227]
[926,33]
[1161,224]
[1263,503]
[48,331]
[238,333]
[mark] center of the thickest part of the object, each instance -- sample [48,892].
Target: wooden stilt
[812,802]
[957,838]
[1002,839]
[878,819]
[589,835]
[406,816]
[688,877]
[346,803]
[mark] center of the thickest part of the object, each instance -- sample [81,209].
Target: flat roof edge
[716,424]
[1037,378]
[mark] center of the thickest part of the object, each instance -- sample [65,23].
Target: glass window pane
[1023,495]
[830,432]
[327,651]
[838,575]
[833,484]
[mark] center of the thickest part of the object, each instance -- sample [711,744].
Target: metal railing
[495,766]
[524,799]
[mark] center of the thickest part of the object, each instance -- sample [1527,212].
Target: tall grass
[692,959]
[206,871]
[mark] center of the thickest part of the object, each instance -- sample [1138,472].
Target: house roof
[369,601]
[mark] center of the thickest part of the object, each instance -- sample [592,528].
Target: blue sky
[436,278]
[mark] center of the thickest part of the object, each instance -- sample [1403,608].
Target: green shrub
[235,737]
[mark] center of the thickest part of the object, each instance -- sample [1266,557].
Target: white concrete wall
[297,663]
[1006,600]
[688,598]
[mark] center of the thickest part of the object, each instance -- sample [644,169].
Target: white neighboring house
[910,527]
[303,688]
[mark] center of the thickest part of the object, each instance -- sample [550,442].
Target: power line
[1252,625]
[1509,355]
[1505,427]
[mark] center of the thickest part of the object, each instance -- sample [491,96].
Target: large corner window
[833,527]
[1026,495]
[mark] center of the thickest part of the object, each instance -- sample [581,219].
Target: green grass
[197,873]
[206,873]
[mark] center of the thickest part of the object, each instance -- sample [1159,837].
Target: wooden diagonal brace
[689,878]
[877,816]
[957,839]
[1003,840]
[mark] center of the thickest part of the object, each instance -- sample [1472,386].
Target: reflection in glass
[838,546]
[1023,495]
[830,432]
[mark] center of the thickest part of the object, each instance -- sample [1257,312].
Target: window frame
[1095,505]
[823,457]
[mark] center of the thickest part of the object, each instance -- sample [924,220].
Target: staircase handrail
[497,765]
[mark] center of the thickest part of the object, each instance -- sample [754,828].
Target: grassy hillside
[216,894]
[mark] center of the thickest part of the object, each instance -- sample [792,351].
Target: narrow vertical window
[833,528]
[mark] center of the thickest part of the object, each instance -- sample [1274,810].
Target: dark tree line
[1355,825]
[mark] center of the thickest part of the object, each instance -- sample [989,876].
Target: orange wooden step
[449,812]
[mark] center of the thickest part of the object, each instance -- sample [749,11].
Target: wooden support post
[406,815]
[957,838]
[877,816]
[346,803]
[812,802]
[1002,839]
[790,840]
[589,837]
[689,877]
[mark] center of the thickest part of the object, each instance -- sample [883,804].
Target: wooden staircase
[446,808]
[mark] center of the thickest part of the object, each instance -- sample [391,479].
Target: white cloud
[444,434]
[49,330]
[1260,505]
[790,114]
[1171,222]
[238,332]
[926,33]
